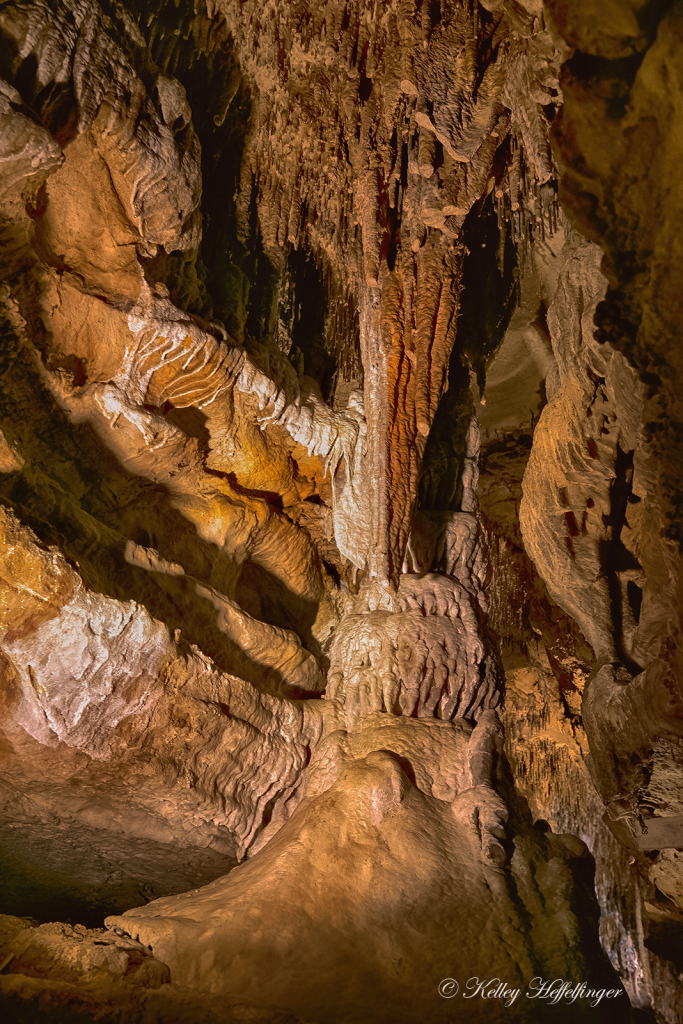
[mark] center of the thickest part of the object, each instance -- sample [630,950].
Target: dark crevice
[615,556]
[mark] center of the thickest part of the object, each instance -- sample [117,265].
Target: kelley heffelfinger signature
[553,992]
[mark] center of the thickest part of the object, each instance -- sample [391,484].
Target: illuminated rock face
[271,549]
[377,881]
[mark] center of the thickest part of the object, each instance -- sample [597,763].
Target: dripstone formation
[340,509]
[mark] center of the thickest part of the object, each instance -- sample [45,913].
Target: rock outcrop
[321,425]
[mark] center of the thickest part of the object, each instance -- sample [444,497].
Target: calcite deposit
[340,510]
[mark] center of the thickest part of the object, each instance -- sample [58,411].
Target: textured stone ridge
[99,695]
[617,141]
[271,272]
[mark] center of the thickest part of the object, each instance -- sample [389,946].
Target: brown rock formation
[309,447]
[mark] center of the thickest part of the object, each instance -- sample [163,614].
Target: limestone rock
[267,558]
[394,847]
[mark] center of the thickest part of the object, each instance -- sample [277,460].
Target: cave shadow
[235,278]
[70,871]
[615,558]
[74,493]
[488,299]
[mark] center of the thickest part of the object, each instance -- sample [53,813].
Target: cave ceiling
[340,510]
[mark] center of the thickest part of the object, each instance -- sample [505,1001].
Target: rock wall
[605,543]
[273,531]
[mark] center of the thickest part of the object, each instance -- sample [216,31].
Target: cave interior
[341,511]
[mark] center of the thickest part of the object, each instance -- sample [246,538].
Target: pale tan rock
[9,462]
[84,226]
[157,692]
[35,584]
[393,847]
